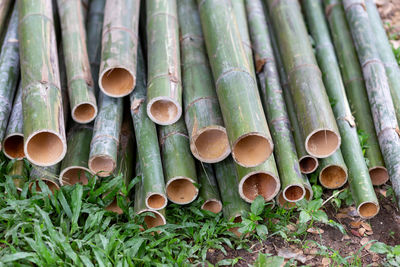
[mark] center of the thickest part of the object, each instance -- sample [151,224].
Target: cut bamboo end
[102,165]
[13,146]
[259,183]
[45,148]
[252,149]
[309,193]
[213,205]
[113,207]
[164,110]
[283,203]
[84,113]
[368,209]
[235,230]
[52,185]
[211,145]
[155,221]
[73,175]
[156,201]
[181,190]
[322,143]
[379,175]
[293,193]
[333,177]
[308,164]
[117,82]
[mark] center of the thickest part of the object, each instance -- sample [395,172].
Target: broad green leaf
[379,247]
[304,217]
[258,205]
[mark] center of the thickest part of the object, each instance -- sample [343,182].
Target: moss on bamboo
[148,149]
[208,188]
[117,76]
[208,139]
[244,118]
[164,87]
[44,129]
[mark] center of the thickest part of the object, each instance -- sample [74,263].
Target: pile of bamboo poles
[223,99]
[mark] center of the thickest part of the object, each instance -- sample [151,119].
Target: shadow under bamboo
[209,189]
[49,176]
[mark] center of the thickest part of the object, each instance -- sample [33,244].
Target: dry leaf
[291,227]
[341,216]
[315,230]
[346,237]
[313,251]
[369,232]
[290,254]
[355,224]
[354,232]
[326,261]
[361,231]
[382,192]
[375,257]
[364,241]
[367,226]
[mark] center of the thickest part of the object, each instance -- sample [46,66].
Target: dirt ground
[385,227]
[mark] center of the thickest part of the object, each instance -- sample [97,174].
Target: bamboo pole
[179,165]
[208,139]
[5,6]
[44,129]
[307,163]
[234,206]
[331,176]
[355,88]
[283,203]
[147,143]
[141,205]
[240,103]
[19,174]
[274,106]
[164,88]
[80,82]
[13,144]
[49,175]
[106,130]
[209,189]
[382,108]
[239,10]
[74,167]
[319,127]
[94,29]
[119,47]
[9,68]
[386,54]
[263,180]
[125,162]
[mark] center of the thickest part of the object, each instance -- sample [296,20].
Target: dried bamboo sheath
[80,83]
[355,88]
[313,110]
[164,87]
[117,76]
[9,68]
[44,129]
[208,139]
[275,109]
[378,90]
[239,100]
[153,184]
[209,191]
[332,171]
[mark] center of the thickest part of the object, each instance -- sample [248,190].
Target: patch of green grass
[392,254]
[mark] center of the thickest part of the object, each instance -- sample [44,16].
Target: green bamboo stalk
[9,68]
[19,174]
[179,165]
[104,144]
[239,10]
[44,129]
[119,47]
[307,163]
[244,118]
[208,139]
[49,175]
[233,205]
[335,175]
[141,205]
[80,82]
[94,29]
[164,89]
[319,127]
[13,144]
[378,90]
[74,167]
[274,106]
[125,162]
[5,6]
[209,189]
[355,88]
[147,143]
[262,180]
[385,53]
